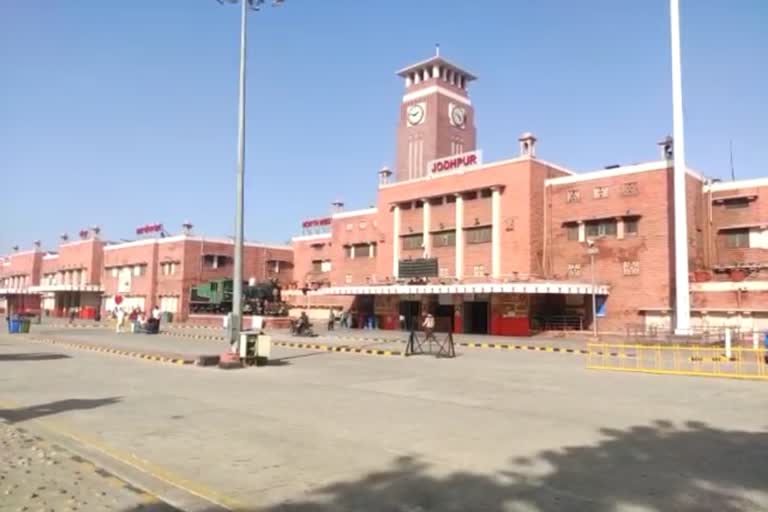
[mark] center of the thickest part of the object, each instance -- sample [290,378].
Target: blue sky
[124,113]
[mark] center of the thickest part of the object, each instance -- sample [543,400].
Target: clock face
[415,114]
[458,116]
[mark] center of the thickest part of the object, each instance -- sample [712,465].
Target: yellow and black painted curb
[290,344]
[197,337]
[115,351]
[536,348]
[338,348]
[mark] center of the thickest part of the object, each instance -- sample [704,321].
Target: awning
[757,224]
[531,288]
[96,288]
[17,291]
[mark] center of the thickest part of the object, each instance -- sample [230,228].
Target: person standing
[120,315]
[331,319]
[156,314]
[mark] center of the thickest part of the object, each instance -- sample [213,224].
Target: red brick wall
[755,213]
[651,247]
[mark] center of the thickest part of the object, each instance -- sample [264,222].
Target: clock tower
[436,116]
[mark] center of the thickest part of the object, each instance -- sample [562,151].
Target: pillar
[620,228]
[459,236]
[582,231]
[352,251]
[427,208]
[396,242]
[371,249]
[495,232]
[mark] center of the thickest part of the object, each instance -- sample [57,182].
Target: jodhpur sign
[455,162]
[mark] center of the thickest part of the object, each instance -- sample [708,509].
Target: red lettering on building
[149,228]
[316,222]
[451,163]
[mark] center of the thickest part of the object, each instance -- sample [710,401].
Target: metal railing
[707,361]
[700,335]
[559,323]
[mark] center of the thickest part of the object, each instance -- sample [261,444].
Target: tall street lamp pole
[236,318]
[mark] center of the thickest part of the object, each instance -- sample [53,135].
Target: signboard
[455,162]
[421,267]
[149,229]
[316,226]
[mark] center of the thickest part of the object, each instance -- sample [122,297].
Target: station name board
[455,162]
[313,223]
[149,228]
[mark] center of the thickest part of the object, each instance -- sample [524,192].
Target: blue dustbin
[14,326]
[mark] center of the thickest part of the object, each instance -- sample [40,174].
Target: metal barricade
[706,361]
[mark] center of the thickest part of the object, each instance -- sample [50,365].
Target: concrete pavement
[521,432]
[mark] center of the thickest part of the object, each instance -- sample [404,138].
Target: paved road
[490,431]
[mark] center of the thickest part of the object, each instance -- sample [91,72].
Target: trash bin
[14,326]
[25,324]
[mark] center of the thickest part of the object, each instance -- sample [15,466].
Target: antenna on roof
[437,49]
[733,171]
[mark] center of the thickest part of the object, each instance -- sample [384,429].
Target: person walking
[429,326]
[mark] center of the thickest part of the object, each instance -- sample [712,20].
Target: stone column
[427,208]
[459,236]
[620,228]
[396,242]
[495,232]
[582,231]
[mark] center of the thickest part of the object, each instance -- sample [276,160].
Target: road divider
[146,356]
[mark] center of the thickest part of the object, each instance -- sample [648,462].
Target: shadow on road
[37,411]
[652,468]
[41,356]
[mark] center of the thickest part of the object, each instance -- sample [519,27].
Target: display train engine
[215,297]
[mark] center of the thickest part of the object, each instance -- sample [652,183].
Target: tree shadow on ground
[41,356]
[650,468]
[36,411]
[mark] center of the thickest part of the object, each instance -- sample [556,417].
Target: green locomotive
[215,297]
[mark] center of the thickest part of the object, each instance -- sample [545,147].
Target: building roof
[436,60]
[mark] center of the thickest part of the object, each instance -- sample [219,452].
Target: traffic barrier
[695,360]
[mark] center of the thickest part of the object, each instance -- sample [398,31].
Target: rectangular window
[737,238]
[486,192]
[572,231]
[450,198]
[411,242]
[737,203]
[631,268]
[469,196]
[325,266]
[114,271]
[605,227]
[317,266]
[479,235]
[573,196]
[443,272]
[138,270]
[478,270]
[630,227]
[600,192]
[348,278]
[362,251]
[349,227]
[362,224]
[444,239]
